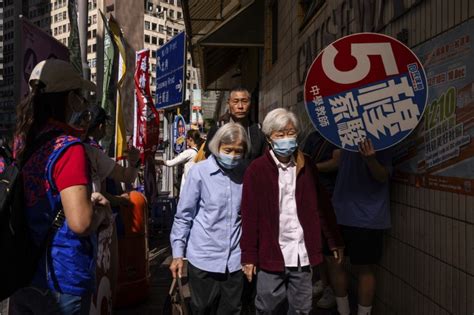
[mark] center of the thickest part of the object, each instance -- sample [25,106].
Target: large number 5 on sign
[361,53]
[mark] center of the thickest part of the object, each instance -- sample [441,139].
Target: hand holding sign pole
[366,85]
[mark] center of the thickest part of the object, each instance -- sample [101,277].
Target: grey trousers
[275,288]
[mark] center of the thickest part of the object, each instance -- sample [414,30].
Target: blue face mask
[228,161]
[284,147]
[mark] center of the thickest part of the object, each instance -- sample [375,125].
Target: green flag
[74,42]
[108,86]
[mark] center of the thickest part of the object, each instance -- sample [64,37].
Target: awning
[238,30]
[219,33]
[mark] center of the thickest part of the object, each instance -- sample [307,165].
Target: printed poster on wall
[366,86]
[440,153]
[179,134]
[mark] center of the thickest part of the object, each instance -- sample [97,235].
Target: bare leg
[366,285]
[338,277]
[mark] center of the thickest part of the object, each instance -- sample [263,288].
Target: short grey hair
[277,119]
[228,134]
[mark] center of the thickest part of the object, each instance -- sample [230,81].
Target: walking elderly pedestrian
[284,210]
[207,226]
[56,178]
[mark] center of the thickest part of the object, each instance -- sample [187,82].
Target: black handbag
[177,301]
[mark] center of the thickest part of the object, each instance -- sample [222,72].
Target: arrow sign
[179,86]
[171,61]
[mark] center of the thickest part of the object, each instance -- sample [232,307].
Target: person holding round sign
[364,93]
[284,210]
[207,225]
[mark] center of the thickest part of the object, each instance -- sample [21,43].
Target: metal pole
[82,25]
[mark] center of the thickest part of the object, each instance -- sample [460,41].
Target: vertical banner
[439,155]
[108,85]
[74,42]
[120,132]
[36,46]
[146,120]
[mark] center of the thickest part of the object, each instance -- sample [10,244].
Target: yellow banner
[120,132]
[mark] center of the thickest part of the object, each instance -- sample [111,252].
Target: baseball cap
[59,76]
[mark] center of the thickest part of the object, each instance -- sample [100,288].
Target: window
[153,40]
[153,26]
[94,48]
[161,41]
[171,14]
[180,15]
[153,54]
[147,25]
[161,29]
[147,38]
[64,15]
[94,19]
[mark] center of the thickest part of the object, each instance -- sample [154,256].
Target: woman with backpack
[62,214]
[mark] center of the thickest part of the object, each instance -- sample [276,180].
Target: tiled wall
[428,265]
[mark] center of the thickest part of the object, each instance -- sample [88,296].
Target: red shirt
[71,168]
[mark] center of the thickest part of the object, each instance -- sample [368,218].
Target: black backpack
[19,256]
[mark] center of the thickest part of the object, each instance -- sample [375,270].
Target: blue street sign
[170,71]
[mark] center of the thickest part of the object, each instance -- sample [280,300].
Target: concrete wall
[428,265]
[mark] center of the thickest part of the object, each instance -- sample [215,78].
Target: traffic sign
[366,85]
[170,72]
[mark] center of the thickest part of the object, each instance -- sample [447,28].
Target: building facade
[428,264]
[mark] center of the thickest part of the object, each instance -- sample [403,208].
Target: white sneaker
[328,300]
[318,288]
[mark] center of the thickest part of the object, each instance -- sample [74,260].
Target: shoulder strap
[39,142]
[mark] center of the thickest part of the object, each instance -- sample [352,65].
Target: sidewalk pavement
[160,283]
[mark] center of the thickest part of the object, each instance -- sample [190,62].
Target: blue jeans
[32,300]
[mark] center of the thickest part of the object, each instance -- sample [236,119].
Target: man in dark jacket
[239,103]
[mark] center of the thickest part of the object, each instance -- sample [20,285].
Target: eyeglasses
[235,101]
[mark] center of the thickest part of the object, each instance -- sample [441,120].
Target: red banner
[146,120]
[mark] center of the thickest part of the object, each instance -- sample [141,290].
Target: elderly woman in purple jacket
[284,211]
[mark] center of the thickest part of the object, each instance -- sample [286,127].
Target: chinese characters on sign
[170,70]
[365,86]
[438,155]
[146,120]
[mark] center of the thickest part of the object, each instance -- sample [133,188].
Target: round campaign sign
[366,85]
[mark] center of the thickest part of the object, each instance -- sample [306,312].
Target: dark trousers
[215,293]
